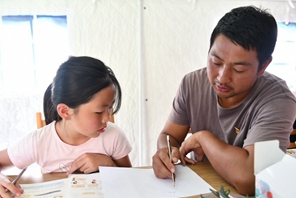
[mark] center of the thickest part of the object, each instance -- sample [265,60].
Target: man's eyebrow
[215,55]
[244,63]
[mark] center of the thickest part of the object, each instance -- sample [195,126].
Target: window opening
[32,48]
[283,64]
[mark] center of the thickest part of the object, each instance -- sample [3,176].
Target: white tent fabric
[150,45]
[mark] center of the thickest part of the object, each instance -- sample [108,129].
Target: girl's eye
[99,112]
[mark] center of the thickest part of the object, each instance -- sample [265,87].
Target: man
[230,104]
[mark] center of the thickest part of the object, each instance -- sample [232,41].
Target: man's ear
[264,66]
[64,111]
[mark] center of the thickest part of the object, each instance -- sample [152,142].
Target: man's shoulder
[272,80]
[198,72]
[274,85]
[270,89]
[197,76]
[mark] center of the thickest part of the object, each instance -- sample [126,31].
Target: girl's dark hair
[250,27]
[48,108]
[76,82]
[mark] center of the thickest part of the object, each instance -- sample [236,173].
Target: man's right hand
[161,163]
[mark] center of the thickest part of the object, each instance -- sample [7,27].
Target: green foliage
[221,193]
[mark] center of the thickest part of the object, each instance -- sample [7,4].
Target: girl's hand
[6,187]
[90,162]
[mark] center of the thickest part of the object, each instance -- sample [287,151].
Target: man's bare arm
[234,164]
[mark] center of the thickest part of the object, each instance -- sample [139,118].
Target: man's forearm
[234,164]
[161,142]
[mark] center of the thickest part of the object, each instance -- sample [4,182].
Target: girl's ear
[64,111]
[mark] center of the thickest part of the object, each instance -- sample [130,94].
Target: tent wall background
[149,44]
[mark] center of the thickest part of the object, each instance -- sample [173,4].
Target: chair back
[39,120]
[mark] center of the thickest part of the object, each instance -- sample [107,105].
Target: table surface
[203,169]
[207,173]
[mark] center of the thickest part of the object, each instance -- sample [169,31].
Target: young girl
[84,91]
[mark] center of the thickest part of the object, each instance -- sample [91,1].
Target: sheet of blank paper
[140,182]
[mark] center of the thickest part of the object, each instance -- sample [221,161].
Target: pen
[19,176]
[170,155]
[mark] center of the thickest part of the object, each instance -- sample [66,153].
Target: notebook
[76,185]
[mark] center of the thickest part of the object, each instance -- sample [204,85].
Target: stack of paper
[134,182]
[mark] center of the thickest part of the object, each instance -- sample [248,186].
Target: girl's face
[91,118]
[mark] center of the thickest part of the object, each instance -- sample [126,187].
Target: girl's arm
[89,162]
[123,162]
[5,161]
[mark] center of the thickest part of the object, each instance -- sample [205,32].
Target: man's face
[232,71]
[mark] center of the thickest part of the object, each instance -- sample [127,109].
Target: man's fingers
[157,166]
[165,159]
[175,154]
[200,155]
[162,165]
[162,172]
[189,161]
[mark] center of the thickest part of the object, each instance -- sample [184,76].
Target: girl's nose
[106,115]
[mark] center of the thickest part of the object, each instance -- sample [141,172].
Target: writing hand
[161,163]
[89,162]
[6,186]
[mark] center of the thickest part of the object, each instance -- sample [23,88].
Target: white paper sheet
[133,182]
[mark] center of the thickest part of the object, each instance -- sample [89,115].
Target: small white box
[275,171]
